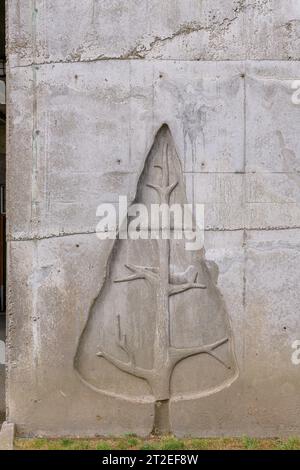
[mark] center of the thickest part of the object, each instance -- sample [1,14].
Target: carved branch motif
[140,272]
[178,355]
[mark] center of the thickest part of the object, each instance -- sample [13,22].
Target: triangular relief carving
[159,329]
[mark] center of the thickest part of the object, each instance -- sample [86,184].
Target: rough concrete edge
[7,436]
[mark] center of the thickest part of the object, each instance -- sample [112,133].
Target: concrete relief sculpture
[158,330]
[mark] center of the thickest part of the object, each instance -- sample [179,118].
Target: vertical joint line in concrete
[244,300]
[245,119]
[34,189]
[245,261]
[34,27]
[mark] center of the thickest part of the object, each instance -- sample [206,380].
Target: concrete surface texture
[90,86]
[2,368]
[7,434]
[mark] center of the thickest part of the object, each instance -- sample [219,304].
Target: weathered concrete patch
[7,435]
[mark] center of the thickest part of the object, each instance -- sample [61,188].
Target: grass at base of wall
[132,442]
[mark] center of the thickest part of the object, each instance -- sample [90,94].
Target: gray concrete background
[106,76]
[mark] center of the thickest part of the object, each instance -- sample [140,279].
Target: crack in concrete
[25,238]
[141,51]
[87,61]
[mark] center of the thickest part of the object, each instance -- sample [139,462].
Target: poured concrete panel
[272,117]
[56,31]
[92,126]
[259,277]
[45,345]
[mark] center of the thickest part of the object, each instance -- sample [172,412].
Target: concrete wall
[2,369]
[2,314]
[90,84]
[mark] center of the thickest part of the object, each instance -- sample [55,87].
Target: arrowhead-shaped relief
[158,329]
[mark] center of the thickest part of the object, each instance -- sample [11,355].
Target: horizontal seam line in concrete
[249,172]
[209,229]
[108,59]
